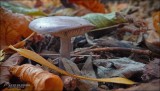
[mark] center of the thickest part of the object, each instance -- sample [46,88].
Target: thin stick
[138,51]
[43,54]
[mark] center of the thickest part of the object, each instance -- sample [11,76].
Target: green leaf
[104,20]
[98,20]
[17,8]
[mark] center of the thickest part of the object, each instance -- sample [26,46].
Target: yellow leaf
[35,57]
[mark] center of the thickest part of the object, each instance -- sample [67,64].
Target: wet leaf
[42,80]
[35,57]
[16,8]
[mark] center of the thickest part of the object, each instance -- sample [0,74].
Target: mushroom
[64,27]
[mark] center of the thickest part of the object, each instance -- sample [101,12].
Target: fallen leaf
[13,60]
[151,86]
[35,57]
[93,5]
[152,41]
[13,27]
[156,21]
[123,67]
[88,71]
[18,8]
[105,20]
[70,66]
[70,83]
[151,70]
[42,80]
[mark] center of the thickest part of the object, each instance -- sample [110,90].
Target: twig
[43,54]
[138,51]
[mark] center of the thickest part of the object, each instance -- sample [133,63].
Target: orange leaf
[35,57]
[42,80]
[93,5]
[13,26]
[156,21]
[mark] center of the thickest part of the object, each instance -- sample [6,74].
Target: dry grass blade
[35,57]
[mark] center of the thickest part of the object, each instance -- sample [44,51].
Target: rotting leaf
[42,80]
[35,57]
[70,83]
[123,67]
[70,66]
[87,70]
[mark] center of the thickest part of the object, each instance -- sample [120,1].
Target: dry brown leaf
[13,26]
[123,67]
[93,5]
[37,58]
[42,80]
[87,70]
[156,21]
[151,70]
[5,75]
[153,41]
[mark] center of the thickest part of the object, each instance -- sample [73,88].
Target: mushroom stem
[65,47]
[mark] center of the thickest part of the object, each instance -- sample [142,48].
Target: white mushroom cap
[61,26]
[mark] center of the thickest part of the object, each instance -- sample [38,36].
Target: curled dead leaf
[42,80]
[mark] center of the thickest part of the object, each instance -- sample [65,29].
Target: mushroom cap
[61,26]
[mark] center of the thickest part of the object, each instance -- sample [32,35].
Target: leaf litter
[122,47]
